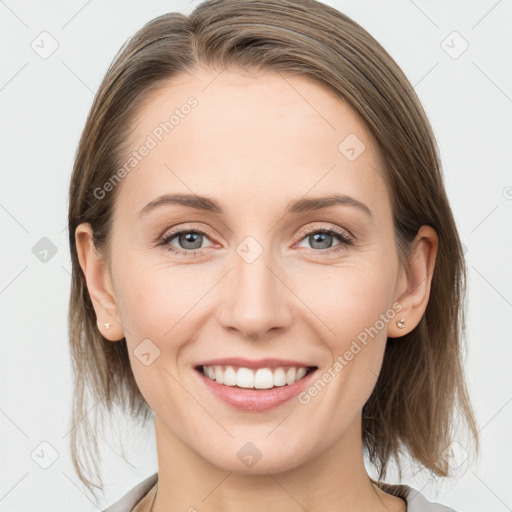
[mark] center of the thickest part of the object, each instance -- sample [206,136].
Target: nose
[255,297]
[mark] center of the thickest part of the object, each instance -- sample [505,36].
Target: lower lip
[255,399]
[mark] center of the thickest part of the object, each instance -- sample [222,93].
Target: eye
[190,240]
[322,239]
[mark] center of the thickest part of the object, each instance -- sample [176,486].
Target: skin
[254,143]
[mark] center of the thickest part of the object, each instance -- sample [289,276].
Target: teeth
[279,377]
[245,378]
[229,377]
[300,373]
[219,375]
[262,378]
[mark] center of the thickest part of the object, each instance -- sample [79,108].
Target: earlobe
[99,284]
[399,326]
[418,278]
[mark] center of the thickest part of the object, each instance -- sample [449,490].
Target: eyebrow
[211,205]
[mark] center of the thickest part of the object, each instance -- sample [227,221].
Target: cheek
[352,309]
[160,300]
[156,296]
[156,308]
[161,306]
[349,299]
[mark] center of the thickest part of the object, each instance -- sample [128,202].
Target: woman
[266,263]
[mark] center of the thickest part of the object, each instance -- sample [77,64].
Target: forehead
[250,136]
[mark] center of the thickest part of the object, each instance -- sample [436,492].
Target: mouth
[254,373]
[254,389]
[256,378]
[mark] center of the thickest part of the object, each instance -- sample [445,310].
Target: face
[257,270]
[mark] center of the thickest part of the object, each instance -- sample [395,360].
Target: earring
[401,324]
[107,326]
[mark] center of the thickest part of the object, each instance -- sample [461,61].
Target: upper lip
[254,363]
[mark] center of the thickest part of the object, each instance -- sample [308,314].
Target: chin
[248,459]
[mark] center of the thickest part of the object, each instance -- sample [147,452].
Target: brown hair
[421,384]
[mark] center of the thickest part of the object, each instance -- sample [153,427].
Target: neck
[333,480]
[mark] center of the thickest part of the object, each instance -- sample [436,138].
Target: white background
[44,104]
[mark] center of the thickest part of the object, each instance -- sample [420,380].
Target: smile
[255,390]
[261,378]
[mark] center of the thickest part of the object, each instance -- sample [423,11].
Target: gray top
[416,502]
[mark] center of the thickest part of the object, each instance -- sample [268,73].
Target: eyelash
[344,239]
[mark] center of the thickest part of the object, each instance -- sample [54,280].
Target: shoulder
[133,496]
[416,502]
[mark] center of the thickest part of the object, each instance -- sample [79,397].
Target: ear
[417,280]
[99,284]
